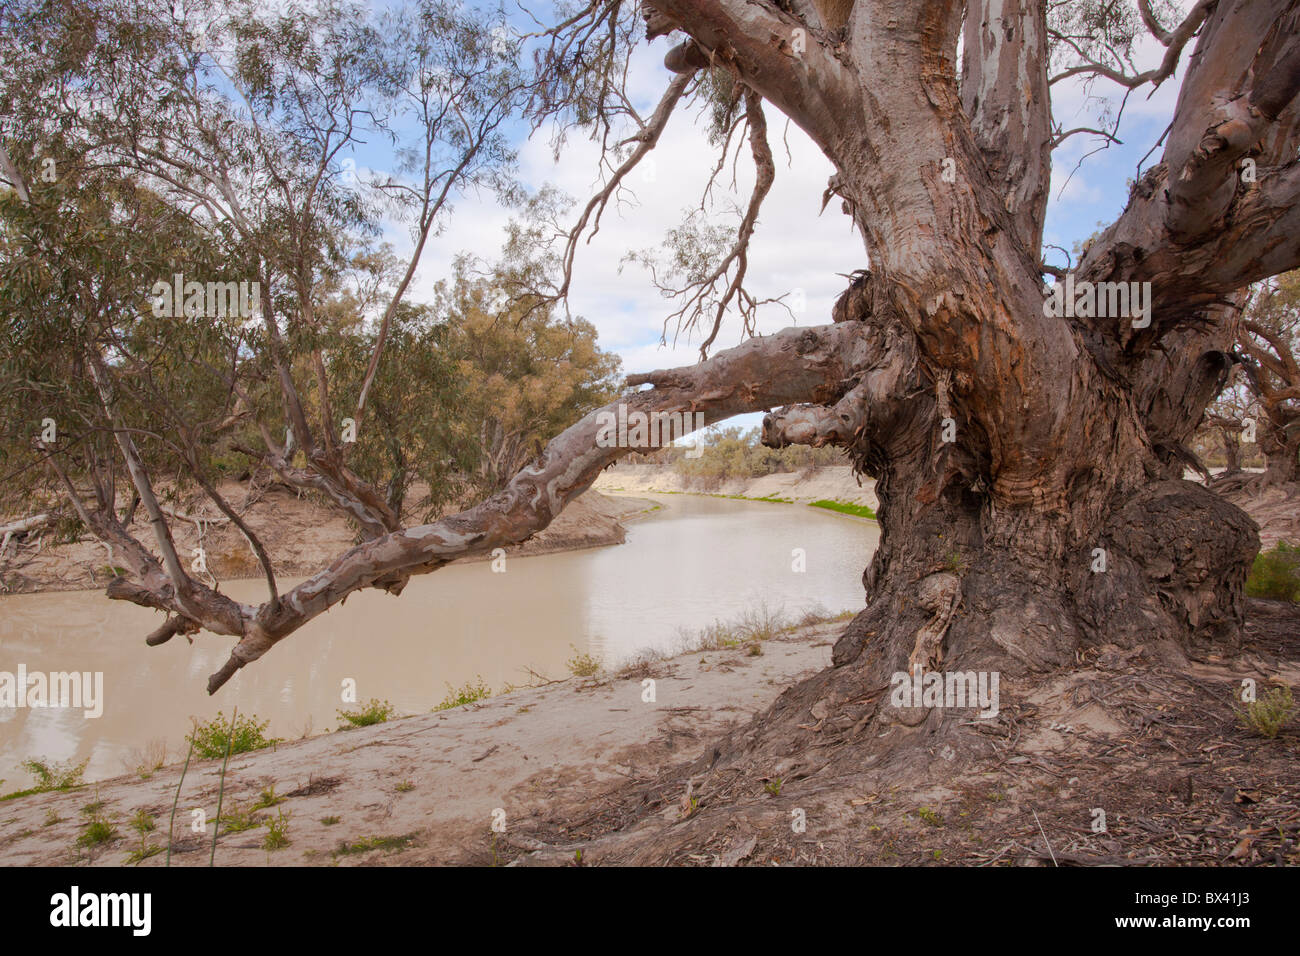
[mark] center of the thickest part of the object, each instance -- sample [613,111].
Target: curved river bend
[695,561]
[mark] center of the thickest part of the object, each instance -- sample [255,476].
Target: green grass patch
[375,711]
[468,693]
[237,820]
[97,832]
[268,798]
[389,844]
[844,508]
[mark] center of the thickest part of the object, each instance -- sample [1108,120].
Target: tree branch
[755,40]
[790,366]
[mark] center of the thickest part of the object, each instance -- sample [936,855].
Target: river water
[694,561]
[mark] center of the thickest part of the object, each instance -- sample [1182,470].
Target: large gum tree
[1028,461]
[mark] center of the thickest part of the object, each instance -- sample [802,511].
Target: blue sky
[794,247]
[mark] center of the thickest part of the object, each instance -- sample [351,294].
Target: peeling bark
[1028,464]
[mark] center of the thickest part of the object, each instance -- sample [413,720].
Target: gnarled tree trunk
[1029,459]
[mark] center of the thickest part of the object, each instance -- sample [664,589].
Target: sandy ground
[301,536]
[424,789]
[1159,751]
[836,483]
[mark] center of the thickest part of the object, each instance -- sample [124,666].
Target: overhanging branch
[796,365]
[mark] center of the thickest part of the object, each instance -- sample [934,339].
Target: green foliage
[467,693]
[50,776]
[1269,714]
[1276,574]
[930,817]
[246,735]
[374,711]
[277,832]
[237,820]
[97,832]
[143,824]
[582,664]
[466,390]
[387,843]
[268,798]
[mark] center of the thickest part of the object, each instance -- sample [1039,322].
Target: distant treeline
[733,453]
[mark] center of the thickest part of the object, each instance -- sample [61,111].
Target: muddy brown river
[695,561]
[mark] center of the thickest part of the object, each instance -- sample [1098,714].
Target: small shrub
[582,664]
[54,776]
[143,824]
[930,817]
[237,820]
[773,787]
[1276,574]
[329,821]
[1269,714]
[152,758]
[277,832]
[97,832]
[405,787]
[268,798]
[466,694]
[761,624]
[821,616]
[247,734]
[716,637]
[374,711]
[143,852]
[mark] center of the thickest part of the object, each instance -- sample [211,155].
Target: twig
[1045,840]
[221,793]
[172,822]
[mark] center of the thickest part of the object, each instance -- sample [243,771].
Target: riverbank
[300,534]
[424,789]
[524,777]
[832,483]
